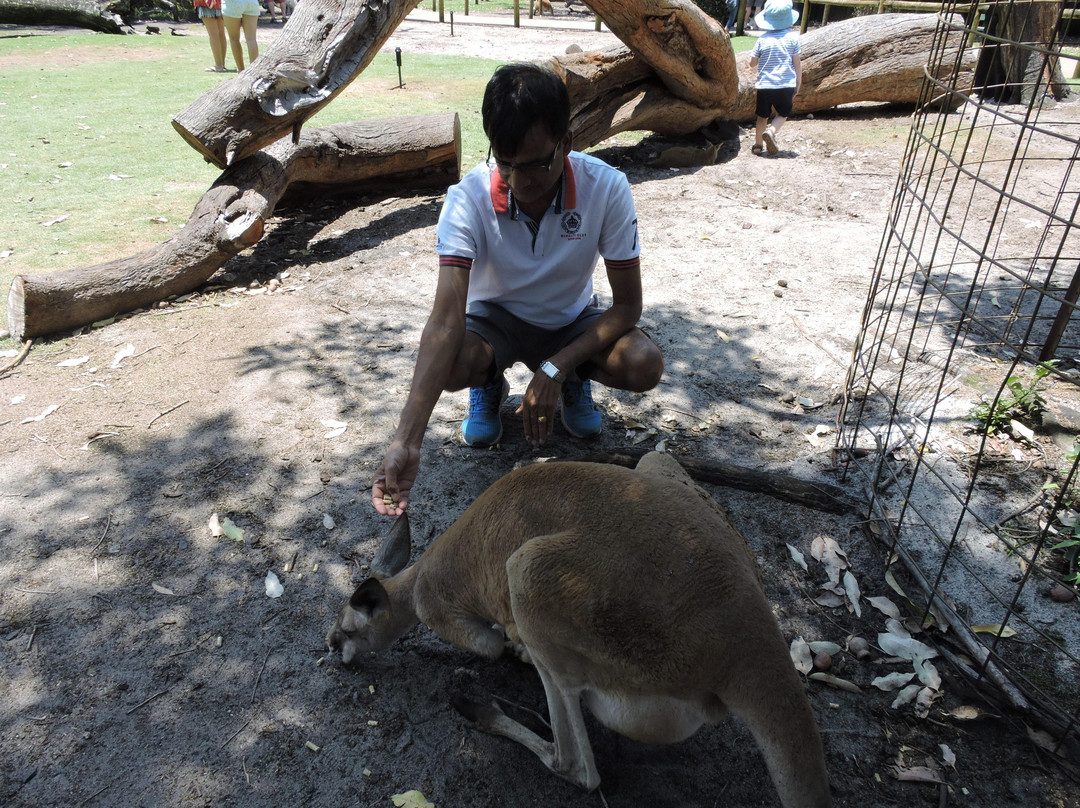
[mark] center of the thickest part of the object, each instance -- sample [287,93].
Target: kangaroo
[540,6]
[628,589]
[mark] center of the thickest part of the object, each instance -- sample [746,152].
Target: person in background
[733,12]
[245,13]
[210,13]
[281,6]
[518,240]
[748,19]
[776,56]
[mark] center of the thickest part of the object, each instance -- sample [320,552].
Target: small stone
[822,661]
[1062,594]
[782,282]
[778,293]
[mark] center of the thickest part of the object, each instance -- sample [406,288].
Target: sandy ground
[141,662]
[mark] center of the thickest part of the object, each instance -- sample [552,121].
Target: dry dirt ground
[141,662]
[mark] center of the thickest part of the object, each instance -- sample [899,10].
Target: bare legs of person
[766,132]
[281,6]
[215,28]
[250,24]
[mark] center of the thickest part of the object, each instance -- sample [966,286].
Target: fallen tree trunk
[820,496]
[878,59]
[96,15]
[411,152]
[323,47]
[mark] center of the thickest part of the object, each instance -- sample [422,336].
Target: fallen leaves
[411,799]
[225,527]
[42,416]
[274,589]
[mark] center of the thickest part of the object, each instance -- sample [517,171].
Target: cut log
[820,496]
[1013,70]
[96,15]
[399,153]
[323,47]
[878,59]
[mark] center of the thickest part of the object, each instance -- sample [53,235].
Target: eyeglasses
[538,167]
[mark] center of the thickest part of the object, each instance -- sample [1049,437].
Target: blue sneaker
[483,426]
[579,414]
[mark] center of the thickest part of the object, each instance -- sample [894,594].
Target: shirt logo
[571,222]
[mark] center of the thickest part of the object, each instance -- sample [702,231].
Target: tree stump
[410,152]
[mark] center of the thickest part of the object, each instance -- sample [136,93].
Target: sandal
[755,150]
[770,141]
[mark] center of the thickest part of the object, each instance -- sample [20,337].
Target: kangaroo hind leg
[569,754]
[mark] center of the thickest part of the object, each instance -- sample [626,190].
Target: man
[518,239]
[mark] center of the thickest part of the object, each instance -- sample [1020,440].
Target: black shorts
[514,340]
[781,100]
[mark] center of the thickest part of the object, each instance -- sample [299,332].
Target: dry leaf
[995,628]
[122,354]
[894,681]
[948,756]
[328,521]
[44,414]
[57,220]
[164,590]
[274,589]
[225,527]
[722,335]
[825,647]
[801,656]
[906,696]
[916,774]
[927,696]
[411,799]
[895,627]
[905,648]
[798,557]
[830,600]
[965,712]
[851,586]
[72,363]
[336,428]
[928,674]
[885,606]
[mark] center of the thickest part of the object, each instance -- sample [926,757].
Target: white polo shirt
[544,278]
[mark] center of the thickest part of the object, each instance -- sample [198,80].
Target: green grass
[87,124]
[104,105]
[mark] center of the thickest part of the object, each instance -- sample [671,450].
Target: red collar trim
[500,191]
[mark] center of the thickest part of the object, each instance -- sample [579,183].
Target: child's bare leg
[777,122]
[760,131]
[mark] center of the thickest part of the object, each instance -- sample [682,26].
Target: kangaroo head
[374,617]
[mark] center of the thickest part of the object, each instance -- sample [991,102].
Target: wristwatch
[553,372]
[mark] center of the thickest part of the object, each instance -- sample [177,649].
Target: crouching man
[518,240]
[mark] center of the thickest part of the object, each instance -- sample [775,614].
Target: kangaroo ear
[369,599]
[393,556]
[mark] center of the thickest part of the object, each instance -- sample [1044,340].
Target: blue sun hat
[777,15]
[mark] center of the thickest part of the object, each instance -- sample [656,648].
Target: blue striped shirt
[774,51]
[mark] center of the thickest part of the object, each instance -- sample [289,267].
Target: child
[776,55]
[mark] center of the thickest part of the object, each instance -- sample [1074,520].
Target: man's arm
[440,343]
[796,60]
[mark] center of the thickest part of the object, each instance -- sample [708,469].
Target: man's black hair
[518,97]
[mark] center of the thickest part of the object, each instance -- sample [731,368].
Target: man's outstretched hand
[394,480]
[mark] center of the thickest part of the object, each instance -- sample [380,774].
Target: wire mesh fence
[963,399]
